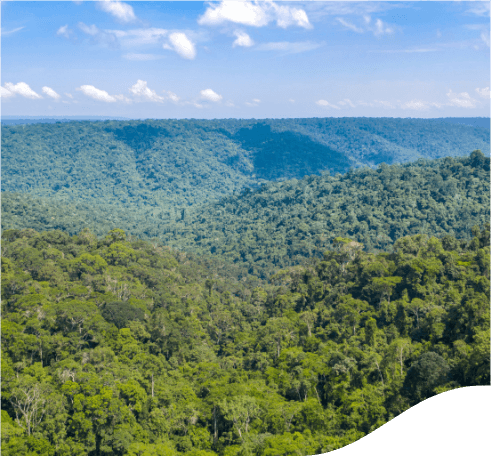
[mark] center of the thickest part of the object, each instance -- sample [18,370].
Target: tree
[429,371]
[240,410]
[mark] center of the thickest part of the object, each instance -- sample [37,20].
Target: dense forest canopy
[169,163]
[237,287]
[117,347]
[283,223]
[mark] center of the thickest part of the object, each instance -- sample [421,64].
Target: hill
[283,223]
[171,164]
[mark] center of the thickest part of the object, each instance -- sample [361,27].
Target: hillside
[171,164]
[283,223]
[118,347]
[286,222]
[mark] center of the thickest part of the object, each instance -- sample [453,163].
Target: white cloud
[377,28]
[229,103]
[139,37]
[22,89]
[181,44]
[290,47]
[140,89]
[255,102]
[103,37]
[417,105]
[326,104]
[484,92]
[121,11]
[479,8]
[51,93]
[345,102]
[96,94]
[142,57]
[485,37]
[381,28]
[462,100]
[383,104]
[256,14]
[10,32]
[68,95]
[210,95]
[349,25]
[64,31]
[4,93]
[172,96]
[242,39]
[291,100]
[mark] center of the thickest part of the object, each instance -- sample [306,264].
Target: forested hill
[283,223]
[170,163]
[286,222]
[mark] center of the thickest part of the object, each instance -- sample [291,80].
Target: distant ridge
[480,122]
[17,120]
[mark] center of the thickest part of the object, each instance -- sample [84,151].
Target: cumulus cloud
[10,32]
[103,37]
[68,95]
[349,25]
[22,89]
[254,13]
[50,92]
[289,47]
[172,96]
[181,44]
[142,57]
[212,96]
[326,104]
[462,100]
[242,39]
[140,89]
[484,92]
[97,94]
[121,11]
[4,93]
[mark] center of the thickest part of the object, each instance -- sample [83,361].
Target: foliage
[118,346]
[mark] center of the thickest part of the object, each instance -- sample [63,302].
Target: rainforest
[237,287]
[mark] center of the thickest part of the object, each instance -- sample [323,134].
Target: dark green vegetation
[118,347]
[292,319]
[283,223]
[166,164]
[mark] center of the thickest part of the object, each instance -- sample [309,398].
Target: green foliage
[131,348]
[292,319]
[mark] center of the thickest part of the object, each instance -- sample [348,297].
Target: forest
[115,346]
[237,287]
[284,223]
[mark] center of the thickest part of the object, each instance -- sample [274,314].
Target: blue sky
[245,59]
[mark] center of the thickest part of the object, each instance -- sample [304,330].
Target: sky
[245,59]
